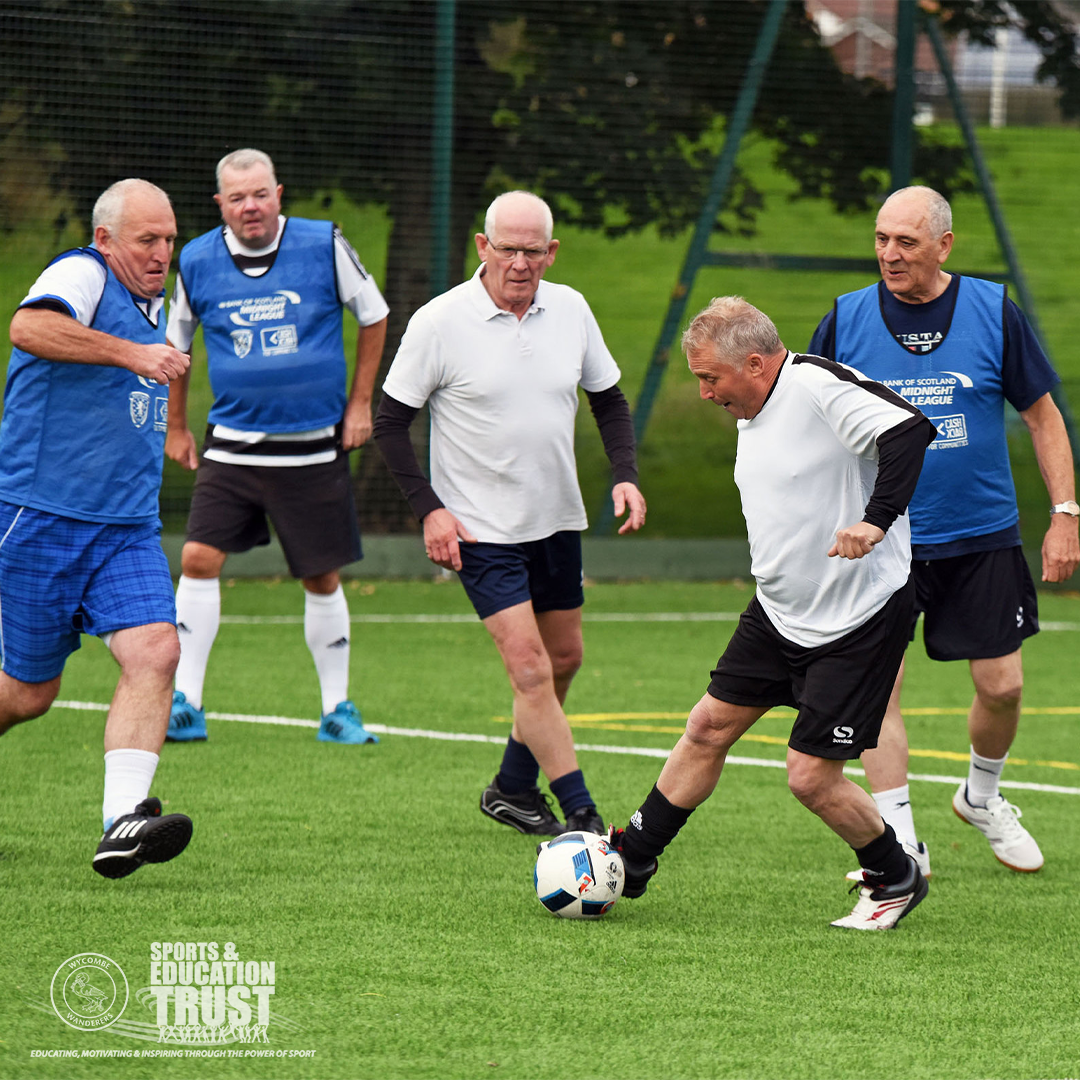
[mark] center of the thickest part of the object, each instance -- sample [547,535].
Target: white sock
[894,806]
[326,631]
[983,776]
[128,776]
[198,615]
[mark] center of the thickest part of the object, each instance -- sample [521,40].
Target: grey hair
[734,328]
[242,160]
[937,207]
[492,210]
[109,208]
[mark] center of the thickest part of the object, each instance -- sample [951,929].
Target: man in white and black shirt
[827,461]
[268,292]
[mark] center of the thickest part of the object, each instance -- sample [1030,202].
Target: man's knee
[529,666]
[566,660]
[810,779]
[201,560]
[712,724]
[999,687]
[21,701]
[152,650]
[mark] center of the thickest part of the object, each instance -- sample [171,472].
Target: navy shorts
[976,606]
[840,689]
[311,508]
[547,572]
[60,578]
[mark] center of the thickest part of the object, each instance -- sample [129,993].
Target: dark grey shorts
[311,508]
[976,606]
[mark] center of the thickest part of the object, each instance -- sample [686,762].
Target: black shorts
[840,689]
[547,572]
[311,508]
[976,606]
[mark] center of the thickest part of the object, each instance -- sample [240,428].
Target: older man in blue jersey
[268,291]
[81,449]
[958,348]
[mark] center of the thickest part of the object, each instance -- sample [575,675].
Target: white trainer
[1010,842]
[919,853]
[883,908]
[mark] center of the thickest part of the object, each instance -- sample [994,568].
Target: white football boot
[999,822]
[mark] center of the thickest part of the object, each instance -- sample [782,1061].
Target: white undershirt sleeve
[77,282]
[183,322]
[357,290]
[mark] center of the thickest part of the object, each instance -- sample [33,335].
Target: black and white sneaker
[528,812]
[636,875]
[882,907]
[587,819]
[140,837]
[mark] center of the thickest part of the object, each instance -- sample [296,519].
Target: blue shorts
[60,578]
[547,572]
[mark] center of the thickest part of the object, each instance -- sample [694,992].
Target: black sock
[883,860]
[652,828]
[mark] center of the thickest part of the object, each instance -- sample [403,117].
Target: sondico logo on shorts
[89,991]
[843,734]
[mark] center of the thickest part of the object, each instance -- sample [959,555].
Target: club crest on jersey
[241,342]
[139,407]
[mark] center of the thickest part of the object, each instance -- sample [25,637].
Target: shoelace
[1006,816]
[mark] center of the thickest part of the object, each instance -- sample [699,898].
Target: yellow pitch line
[610,722]
[784,711]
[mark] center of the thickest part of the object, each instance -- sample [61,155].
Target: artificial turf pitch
[402,925]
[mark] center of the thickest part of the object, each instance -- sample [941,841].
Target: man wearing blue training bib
[959,349]
[268,291]
[81,449]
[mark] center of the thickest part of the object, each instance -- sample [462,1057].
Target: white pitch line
[594,616]
[599,748]
[587,616]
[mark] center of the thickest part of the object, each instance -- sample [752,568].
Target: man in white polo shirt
[498,360]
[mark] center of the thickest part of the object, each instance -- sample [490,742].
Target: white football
[578,875]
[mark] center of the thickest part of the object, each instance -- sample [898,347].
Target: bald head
[518,206]
[110,207]
[912,239]
[934,206]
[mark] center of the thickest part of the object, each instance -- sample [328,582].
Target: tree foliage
[614,109]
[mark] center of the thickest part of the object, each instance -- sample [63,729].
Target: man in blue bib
[268,292]
[81,449]
[958,349]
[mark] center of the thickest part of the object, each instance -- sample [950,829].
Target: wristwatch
[1069,508]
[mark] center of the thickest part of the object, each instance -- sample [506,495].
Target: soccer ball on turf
[578,875]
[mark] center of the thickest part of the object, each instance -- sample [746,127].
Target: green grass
[688,448]
[406,937]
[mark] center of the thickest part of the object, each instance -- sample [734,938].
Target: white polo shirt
[806,466]
[503,399]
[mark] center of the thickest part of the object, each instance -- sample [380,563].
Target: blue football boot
[186,723]
[344,725]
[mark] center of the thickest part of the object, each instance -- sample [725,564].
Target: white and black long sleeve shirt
[828,449]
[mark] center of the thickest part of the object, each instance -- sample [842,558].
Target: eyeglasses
[510,253]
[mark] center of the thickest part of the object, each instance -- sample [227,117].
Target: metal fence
[402,118]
